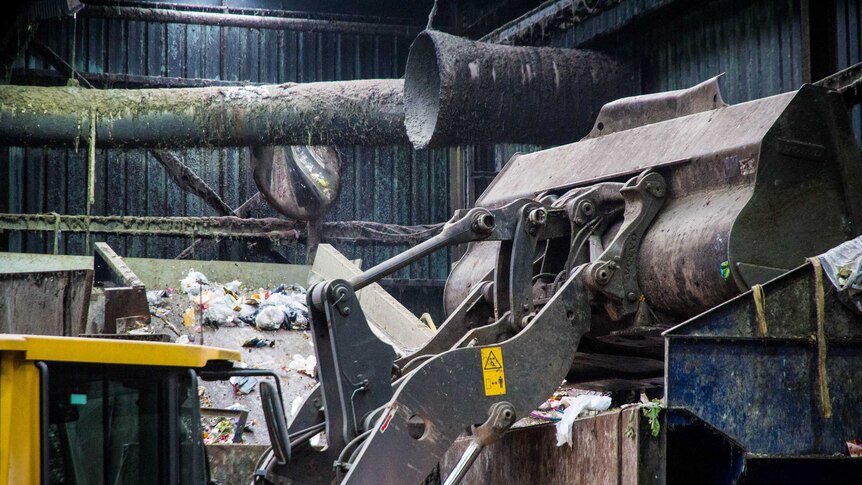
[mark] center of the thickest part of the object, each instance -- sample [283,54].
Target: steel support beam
[110,80]
[279,230]
[247,21]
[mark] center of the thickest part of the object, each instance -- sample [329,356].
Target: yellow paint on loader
[20,434]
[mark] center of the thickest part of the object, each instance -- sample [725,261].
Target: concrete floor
[287,343]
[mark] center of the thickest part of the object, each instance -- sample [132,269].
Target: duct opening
[422,91]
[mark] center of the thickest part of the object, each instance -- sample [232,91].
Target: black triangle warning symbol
[492,363]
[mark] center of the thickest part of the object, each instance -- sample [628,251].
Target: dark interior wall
[386,184]
[757,45]
[392,184]
[848,46]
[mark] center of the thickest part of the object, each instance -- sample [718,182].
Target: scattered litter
[549,410]
[258,342]
[183,339]
[219,430]
[269,318]
[156,297]
[219,312]
[200,301]
[204,397]
[233,286]
[304,365]
[574,406]
[194,283]
[243,384]
[189,317]
[247,313]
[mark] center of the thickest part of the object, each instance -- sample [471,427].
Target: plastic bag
[247,313]
[277,299]
[297,317]
[574,407]
[269,318]
[843,264]
[304,365]
[194,282]
[219,313]
[233,286]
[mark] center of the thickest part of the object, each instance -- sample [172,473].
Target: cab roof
[111,351]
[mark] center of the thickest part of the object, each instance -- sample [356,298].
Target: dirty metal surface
[807,189]
[695,137]
[233,464]
[271,228]
[601,453]
[763,391]
[431,393]
[760,185]
[300,182]
[324,113]
[679,263]
[467,272]
[125,295]
[461,91]
[626,113]
[45,302]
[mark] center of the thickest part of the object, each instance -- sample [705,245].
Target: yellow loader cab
[102,411]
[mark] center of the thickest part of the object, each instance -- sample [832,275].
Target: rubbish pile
[843,266]
[200,302]
[218,430]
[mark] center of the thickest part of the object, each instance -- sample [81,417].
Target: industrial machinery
[79,410]
[671,234]
[673,204]
[107,410]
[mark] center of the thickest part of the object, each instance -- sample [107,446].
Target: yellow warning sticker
[492,371]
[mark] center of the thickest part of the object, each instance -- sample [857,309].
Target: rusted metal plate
[45,302]
[234,463]
[764,391]
[603,451]
[694,137]
[626,113]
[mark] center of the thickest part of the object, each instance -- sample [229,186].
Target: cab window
[115,425]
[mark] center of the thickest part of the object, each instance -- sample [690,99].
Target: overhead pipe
[461,91]
[366,112]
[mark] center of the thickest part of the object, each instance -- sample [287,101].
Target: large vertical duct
[461,91]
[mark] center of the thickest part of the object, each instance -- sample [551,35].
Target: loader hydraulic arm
[492,361]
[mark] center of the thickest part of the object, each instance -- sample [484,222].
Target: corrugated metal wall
[848,25]
[386,184]
[757,44]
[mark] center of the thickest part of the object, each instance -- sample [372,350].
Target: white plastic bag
[194,282]
[269,318]
[574,407]
[305,365]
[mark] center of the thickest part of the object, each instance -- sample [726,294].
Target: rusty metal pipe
[461,91]
[367,112]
